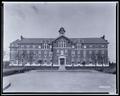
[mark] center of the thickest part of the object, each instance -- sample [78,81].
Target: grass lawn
[34,81]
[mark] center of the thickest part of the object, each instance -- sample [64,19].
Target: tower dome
[62,31]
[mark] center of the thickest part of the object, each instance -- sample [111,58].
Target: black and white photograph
[59,47]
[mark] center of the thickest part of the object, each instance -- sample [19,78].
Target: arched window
[62,52]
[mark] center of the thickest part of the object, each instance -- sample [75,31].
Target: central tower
[62,31]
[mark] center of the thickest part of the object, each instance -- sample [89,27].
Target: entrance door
[62,64]
[62,61]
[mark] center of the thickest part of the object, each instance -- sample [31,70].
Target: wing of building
[61,51]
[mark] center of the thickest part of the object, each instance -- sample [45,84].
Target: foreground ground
[35,81]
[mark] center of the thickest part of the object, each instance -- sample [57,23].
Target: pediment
[62,38]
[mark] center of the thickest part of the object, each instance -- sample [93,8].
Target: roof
[74,40]
[89,40]
[35,40]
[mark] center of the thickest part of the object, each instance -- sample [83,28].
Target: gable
[62,38]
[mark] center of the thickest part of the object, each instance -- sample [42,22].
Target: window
[73,55]
[102,51]
[66,50]
[62,52]
[102,46]
[84,46]
[48,46]
[45,55]
[36,52]
[90,52]
[45,52]
[44,46]
[57,51]
[73,52]
[36,46]
[73,46]
[39,46]
[90,46]
[78,51]
[78,45]
[45,60]
[96,51]
[27,46]
[78,59]
[22,46]
[12,45]
[72,60]
[33,46]
[50,54]
[64,44]
[79,56]
[39,52]
[28,51]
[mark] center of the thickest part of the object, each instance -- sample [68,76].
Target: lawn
[35,81]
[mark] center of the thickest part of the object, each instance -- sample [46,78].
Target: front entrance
[62,64]
[62,61]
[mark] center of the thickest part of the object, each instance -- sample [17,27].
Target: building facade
[61,51]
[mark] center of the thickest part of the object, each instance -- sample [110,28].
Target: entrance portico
[62,62]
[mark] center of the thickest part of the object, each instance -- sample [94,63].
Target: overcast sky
[80,20]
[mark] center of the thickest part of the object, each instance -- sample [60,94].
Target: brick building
[61,51]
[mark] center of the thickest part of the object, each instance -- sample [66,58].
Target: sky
[43,20]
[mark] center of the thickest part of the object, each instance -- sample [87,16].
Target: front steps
[62,68]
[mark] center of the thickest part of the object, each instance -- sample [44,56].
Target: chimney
[103,37]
